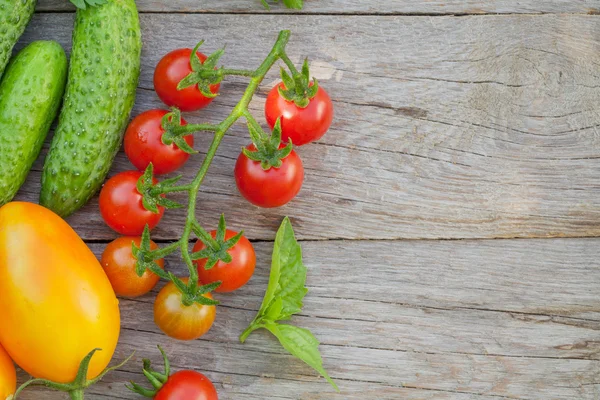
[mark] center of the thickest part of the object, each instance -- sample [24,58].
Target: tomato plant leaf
[288,274]
[297,4]
[83,3]
[283,299]
[301,343]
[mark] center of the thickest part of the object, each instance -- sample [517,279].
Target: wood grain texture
[447,127]
[433,7]
[475,319]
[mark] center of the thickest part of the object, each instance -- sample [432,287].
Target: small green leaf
[301,343]
[82,3]
[288,274]
[296,4]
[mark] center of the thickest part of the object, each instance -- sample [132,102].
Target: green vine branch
[154,193]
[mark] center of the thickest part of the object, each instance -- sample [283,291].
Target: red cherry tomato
[301,125]
[178,320]
[187,385]
[233,275]
[119,265]
[143,144]
[121,205]
[171,69]
[273,187]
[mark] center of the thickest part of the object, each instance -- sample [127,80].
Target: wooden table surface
[449,219]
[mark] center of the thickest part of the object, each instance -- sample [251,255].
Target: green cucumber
[30,96]
[103,76]
[14,17]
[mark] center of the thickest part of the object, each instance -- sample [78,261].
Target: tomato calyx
[203,74]
[194,293]
[146,257]
[77,387]
[172,125]
[268,151]
[156,378]
[216,248]
[298,87]
[153,193]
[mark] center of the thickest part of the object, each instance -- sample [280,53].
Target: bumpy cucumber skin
[103,76]
[14,17]
[30,96]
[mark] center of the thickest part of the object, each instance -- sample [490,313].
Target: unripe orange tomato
[8,375]
[56,303]
[178,320]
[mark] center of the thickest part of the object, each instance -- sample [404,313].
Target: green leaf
[288,274]
[283,299]
[301,343]
[297,4]
[82,3]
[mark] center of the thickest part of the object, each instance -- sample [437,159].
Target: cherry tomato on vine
[121,205]
[119,264]
[8,375]
[178,320]
[143,144]
[171,69]
[187,385]
[269,188]
[233,275]
[301,125]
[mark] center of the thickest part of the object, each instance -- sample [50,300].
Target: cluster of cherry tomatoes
[122,208]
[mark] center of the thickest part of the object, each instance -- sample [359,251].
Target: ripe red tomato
[178,320]
[187,385]
[171,69]
[143,144]
[273,187]
[233,275]
[301,125]
[121,205]
[119,264]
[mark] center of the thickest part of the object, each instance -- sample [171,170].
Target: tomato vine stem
[240,110]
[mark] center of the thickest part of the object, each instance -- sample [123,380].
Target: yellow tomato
[8,375]
[56,303]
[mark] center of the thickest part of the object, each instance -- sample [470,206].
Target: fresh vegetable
[179,82]
[120,267]
[14,17]
[181,319]
[145,142]
[30,95]
[103,75]
[121,204]
[57,304]
[265,184]
[283,299]
[8,375]
[184,309]
[227,257]
[182,385]
[299,125]
[303,106]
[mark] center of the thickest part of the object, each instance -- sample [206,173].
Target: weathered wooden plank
[446,127]
[413,319]
[435,7]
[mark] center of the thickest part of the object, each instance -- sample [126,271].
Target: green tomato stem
[238,111]
[238,72]
[76,395]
